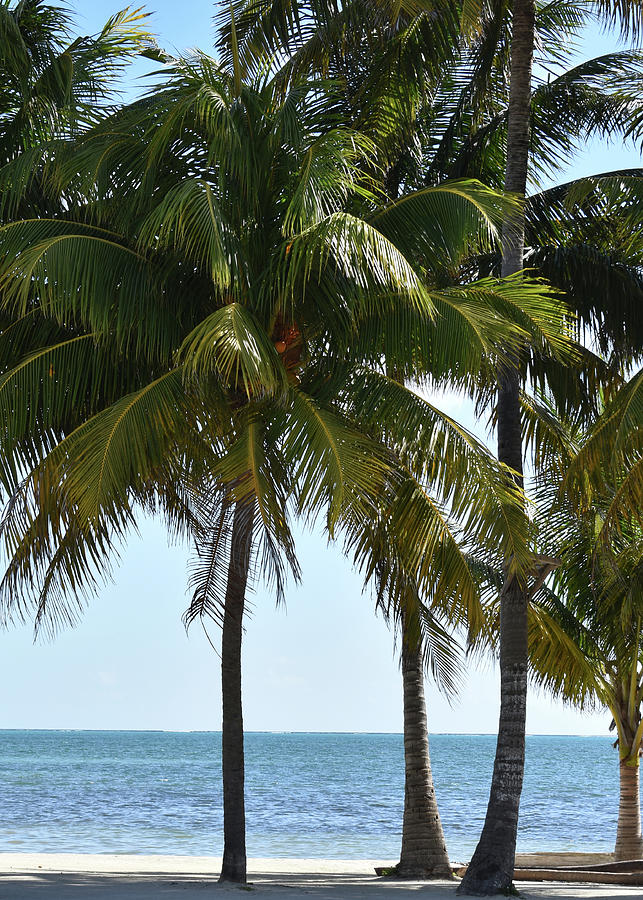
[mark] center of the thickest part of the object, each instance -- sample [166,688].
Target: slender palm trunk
[629,841]
[492,866]
[424,852]
[234,815]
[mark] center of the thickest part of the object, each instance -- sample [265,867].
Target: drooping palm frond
[584,237]
[51,84]
[599,96]
[231,343]
[409,615]
[585,624]
[458,470]
[623,14]
[207,577]
[565,660]
[263,486]
[76,271]
[447,222]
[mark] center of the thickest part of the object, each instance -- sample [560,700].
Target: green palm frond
[336,466]
[24,334]
[553,442]
[583,627]
[441,652]
[188,219]
[208,567]
[598,96]
[614,444]
[32,401]
[328,176]
[252,473]
[490,319]
[626,500]
[76,272]
[623,14]
[50,578]
[436,558]
[118,449]
[442,656]
[366,258]
[411,554]
[231,343]
[585,238]
[443,224]
[459,470]
[559,662]
[24,190]
[53,86]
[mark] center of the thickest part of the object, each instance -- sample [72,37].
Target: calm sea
[308,795]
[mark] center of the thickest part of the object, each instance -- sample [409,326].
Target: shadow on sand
[149,886]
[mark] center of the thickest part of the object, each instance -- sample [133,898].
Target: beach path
[66,876]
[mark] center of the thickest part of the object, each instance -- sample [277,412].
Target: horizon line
[295,731]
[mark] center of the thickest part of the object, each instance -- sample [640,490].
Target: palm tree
[244,402]
[491,868]
[585,630]
[585,645]
[425,643]
[492,865]
[426,614]
[423,853]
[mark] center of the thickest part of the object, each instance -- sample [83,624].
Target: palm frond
[231,343]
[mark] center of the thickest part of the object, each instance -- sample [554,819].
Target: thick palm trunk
[234,815]
[629,841]
[492,866]
[424,852]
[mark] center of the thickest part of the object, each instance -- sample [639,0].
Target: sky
[322,662]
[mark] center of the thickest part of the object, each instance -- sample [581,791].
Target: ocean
[335,796]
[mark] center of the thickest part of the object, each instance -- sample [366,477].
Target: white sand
[71,876]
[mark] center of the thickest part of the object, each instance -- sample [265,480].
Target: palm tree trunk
[234,816]
[424,852]
[629,841]
[491,869]
[492,866]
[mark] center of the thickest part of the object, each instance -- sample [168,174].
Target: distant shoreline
[325,733]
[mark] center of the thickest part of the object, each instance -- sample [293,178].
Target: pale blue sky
[325,663]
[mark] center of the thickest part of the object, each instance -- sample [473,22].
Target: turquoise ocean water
[308,795]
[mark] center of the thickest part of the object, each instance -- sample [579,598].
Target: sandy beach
[69,876]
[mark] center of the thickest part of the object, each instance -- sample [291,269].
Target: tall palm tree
[245,402]
[585,625]
[426,642]
[491,868]
[423,852]
[492,865]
